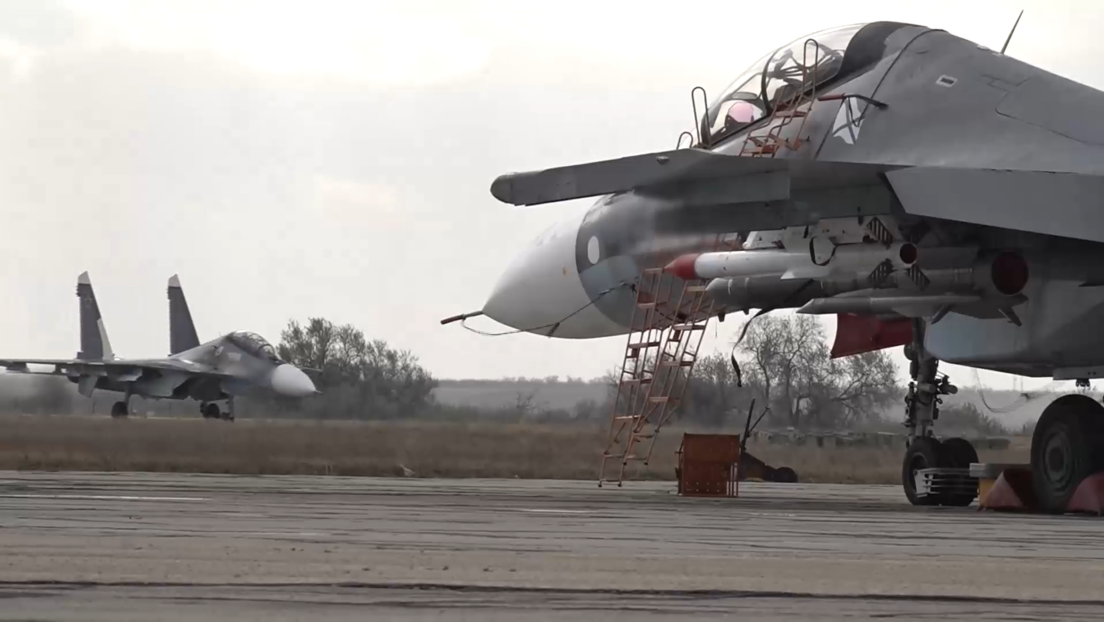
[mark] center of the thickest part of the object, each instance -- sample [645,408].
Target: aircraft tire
[1067,447]
[959,453]
[119,410]
[923,453]
[211,411]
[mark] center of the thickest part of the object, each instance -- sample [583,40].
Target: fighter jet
[221,369]
[928,191]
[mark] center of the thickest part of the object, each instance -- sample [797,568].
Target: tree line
[782,363]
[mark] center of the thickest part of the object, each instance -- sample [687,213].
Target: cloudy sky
[294,159]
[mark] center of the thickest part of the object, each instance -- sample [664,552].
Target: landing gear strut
[210,410]
[121,409]
[922,410]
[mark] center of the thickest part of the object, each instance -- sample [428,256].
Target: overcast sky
[295,159]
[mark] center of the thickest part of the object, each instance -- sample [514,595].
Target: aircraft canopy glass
[775,78]
[254,344]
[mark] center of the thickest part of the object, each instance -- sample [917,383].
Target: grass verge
[429,449]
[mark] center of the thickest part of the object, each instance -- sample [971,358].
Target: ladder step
[781,114]
[768,140]
[689,326]
[653,271]
[626,417]
[763,150]
[646,305]
[677,363]
[637,380]
[645,344]
[659,399]
[694,289]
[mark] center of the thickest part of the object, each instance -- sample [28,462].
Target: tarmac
[100,546]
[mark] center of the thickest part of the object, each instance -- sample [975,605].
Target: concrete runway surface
[117,547]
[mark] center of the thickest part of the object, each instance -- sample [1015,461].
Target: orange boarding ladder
[668,326]
[766,140]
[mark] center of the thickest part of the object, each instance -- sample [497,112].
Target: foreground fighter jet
[928,191]
[220,369]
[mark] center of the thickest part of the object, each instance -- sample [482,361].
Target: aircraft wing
[1062,204]
[623,174]
[120,369]
[1009,199]
[695,175]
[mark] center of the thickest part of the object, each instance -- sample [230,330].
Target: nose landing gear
[924,450]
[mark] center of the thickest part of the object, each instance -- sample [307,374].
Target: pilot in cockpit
[772,83]
[740,113]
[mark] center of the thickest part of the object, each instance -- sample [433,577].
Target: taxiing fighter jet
[221,369]
[930,192]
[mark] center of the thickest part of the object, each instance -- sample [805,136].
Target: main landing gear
[121,409]
[210,410]
[1066,448]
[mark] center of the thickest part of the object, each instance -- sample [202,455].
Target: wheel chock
[1089,496]
[1013,491]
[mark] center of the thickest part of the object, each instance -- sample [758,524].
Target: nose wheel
[923,453]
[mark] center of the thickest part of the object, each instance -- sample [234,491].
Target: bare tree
[714,393]
[785,355]
[524,406]
[789,367]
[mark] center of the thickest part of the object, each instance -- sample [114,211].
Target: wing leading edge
[120,369]
[1063,204]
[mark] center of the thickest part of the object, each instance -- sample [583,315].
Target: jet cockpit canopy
[254,344]
[777,77]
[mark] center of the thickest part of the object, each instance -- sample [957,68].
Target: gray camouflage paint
[230,365]
[182,332]
[982,148]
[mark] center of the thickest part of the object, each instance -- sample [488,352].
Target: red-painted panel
[856,334]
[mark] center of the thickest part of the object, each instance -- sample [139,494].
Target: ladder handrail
[651,391]
[784,111]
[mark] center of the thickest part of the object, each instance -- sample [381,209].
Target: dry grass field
[384,448]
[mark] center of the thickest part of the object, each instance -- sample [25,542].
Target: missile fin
[880,232]
[918,277]
[880,272]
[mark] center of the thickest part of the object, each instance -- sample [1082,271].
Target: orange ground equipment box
[707,465]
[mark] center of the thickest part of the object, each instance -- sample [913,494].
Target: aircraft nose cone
[540,292]
[289,380]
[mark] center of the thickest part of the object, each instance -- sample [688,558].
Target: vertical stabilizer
[182,332]
[94,344]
